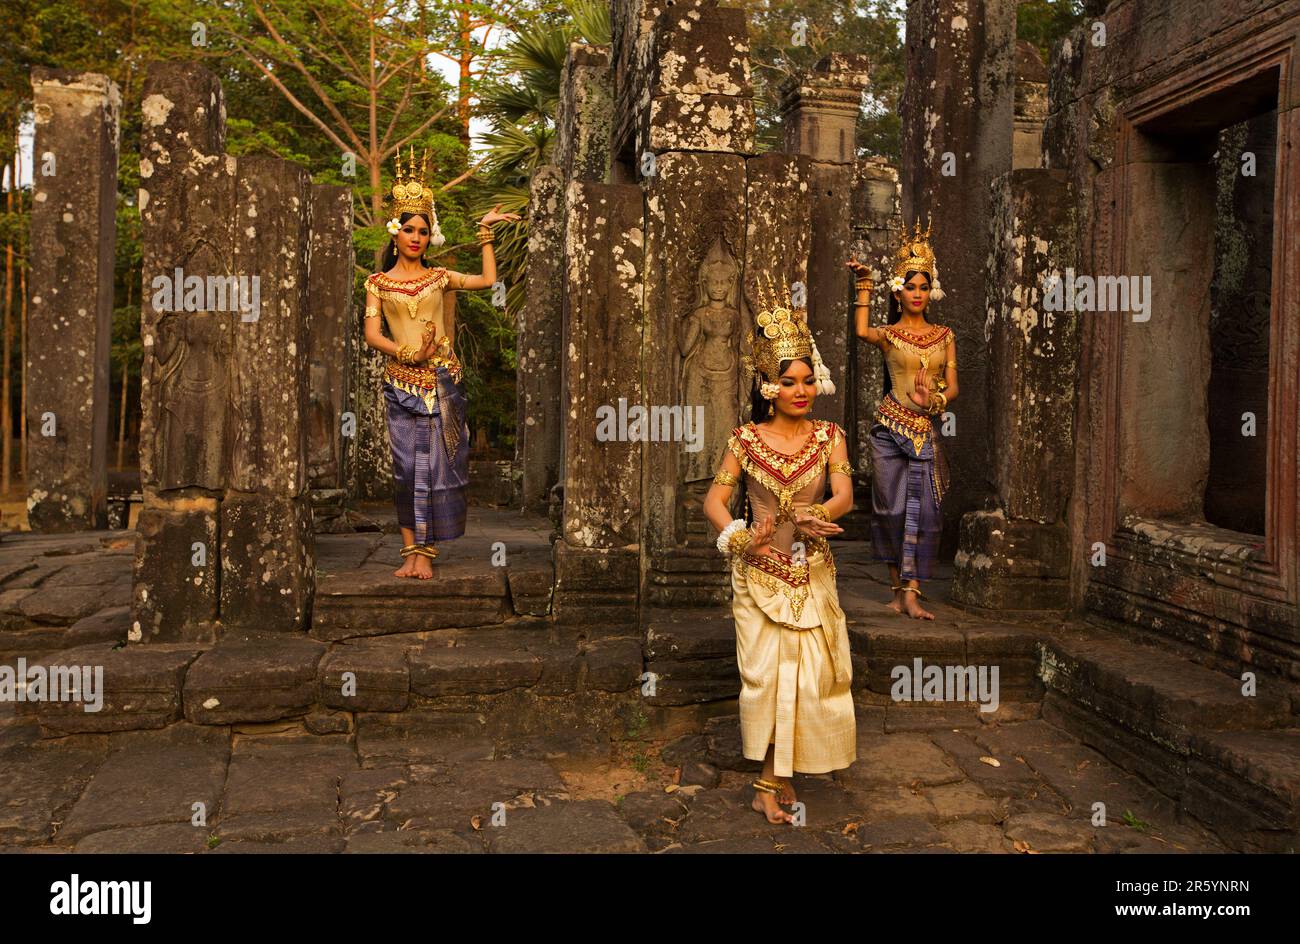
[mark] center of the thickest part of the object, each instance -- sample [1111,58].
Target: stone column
[539,424]
[70,310]
[224,393]
[875,225]
[820,113]
[597,559]
[267,575]
[582,122]
[957,114]
[333,330]
[694,128]
[1017,555]
[581,153]
[187,187]
[695,234]
[1030,106]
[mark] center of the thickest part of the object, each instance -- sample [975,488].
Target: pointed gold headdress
[914,254]
[781,333]
[410,194]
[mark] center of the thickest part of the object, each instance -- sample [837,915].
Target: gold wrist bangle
[739,541]
[818,510]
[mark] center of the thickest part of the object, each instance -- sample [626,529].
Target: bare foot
[787,795]
[423,566]
[912,607]
[896,604]
[408,567]
[766,804]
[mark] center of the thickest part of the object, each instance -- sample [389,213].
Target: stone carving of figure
[708,340]
[194,350]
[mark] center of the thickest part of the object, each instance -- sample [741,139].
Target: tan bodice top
[409,308]
[906,353]
[778,483]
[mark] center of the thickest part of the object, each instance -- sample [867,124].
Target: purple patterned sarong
[430,459]
[905,522]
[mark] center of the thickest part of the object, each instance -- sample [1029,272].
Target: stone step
[691,651]
[1124,679]
[366,600]
[1230,760]
[512,678]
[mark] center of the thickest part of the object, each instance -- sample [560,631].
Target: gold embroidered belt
[899,419]
[426,375]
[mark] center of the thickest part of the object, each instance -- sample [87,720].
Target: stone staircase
[475,655]
[1230,760]
[694,574]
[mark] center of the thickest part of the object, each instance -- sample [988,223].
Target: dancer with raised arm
[423,386]
[909,474]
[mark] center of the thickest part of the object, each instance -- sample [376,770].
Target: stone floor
[926,779]
[273,788]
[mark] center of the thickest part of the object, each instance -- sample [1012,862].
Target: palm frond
[515,150]
[501,102]
[591,17]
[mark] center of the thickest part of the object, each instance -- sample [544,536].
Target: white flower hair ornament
[436,238]
[896,284]
[394,226]
[936,293]
[821,373]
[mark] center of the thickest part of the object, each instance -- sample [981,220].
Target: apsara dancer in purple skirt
[423,389]
[909,475]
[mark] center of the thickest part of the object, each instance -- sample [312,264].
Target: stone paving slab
[40,782]
[152,780]
[570,826]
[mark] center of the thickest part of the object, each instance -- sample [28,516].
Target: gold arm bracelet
[739,541]
[725,478]
[818,510]
[842,467]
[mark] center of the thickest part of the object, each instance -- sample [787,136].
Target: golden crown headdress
[915,254]
[410,194]
[781,333]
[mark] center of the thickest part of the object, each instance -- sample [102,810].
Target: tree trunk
[466,59]
[7,420]
[126,387]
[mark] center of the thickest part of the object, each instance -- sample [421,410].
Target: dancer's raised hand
[492,216]
[920,392]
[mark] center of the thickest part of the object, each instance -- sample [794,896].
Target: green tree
[788,37]
[1044,22]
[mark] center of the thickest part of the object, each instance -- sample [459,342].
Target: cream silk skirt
[792,647]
